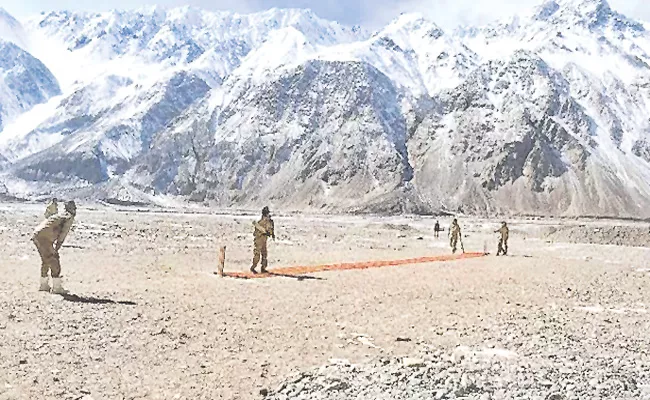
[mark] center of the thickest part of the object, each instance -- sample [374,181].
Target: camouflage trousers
[502,247]
[49,257]
[259,251]
[453,243]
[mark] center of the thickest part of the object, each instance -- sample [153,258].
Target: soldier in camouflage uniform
[48,238]
[502,247]
[263,229]
[454,235]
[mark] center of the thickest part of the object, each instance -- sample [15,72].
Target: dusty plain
[147,317]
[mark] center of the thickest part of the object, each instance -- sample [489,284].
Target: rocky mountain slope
[24,80]
[283,140]
[545,113]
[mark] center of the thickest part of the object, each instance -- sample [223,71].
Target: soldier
[264,229]
[48,238]
[503,240]
[436,229]
[454,235]
[52,208]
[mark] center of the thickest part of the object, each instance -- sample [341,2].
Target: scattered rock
[413,362]
[438,376]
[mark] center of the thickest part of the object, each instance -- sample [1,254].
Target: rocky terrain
[148,319]
[491,373]
[633,235]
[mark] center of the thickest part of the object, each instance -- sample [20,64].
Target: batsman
[263,229]
[502,247]
[455,236]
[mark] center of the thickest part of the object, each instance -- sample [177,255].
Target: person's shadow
[270,274]
[93,300]
[299,278]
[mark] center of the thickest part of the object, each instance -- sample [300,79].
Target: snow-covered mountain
[415,53]
[213,42]
[326,132]
[24,80]
[126,75]
[11,30]
[543,113]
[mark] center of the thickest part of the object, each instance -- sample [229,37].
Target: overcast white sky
[371,13]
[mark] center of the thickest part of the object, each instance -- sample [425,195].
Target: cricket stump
[222,260]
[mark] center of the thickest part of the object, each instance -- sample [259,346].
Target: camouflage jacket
[55,229]
[504,231]
[264,228]
[454,230]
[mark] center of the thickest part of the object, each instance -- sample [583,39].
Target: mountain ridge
[542,113]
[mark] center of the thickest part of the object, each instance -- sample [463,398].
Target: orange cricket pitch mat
[298,271]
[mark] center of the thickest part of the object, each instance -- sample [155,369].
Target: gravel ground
[148,319]
[636,235]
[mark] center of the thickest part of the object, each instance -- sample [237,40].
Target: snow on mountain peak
[408,19]
[4,14]
[283,48]
[581,7]
[24,82]
[532,108]
[546,10]
[591,14]
[585,5]
[412,23]
[178,36]
[11,30]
